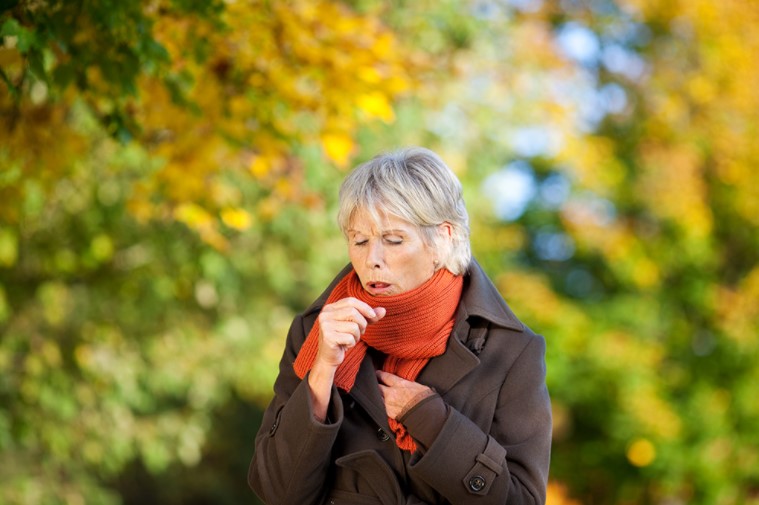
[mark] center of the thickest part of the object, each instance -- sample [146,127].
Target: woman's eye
[360,242]
[394,241]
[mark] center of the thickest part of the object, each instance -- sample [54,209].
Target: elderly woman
[409,380]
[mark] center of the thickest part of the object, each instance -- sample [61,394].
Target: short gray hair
[417,186]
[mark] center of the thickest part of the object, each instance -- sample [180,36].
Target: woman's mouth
[377,288]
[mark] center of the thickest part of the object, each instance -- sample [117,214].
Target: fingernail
[372,314]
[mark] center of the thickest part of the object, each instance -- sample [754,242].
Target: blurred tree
[672,251]
[177,71]
[623,225]
[164,172]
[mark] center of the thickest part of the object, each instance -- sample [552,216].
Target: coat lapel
[480,300]
[444,371]
[366,392]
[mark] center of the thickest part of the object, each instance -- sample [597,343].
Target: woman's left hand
[400,394]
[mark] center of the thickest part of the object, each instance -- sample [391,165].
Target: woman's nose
[374,256]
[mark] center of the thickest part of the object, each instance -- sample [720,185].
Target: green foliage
[99,48]
[121,339]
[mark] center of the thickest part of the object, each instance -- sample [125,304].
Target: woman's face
[390,257]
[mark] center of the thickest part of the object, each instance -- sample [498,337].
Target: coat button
[477,483]
[384,437]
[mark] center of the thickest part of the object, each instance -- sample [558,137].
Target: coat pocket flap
[377,474]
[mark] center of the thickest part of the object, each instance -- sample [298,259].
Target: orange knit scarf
[415,328]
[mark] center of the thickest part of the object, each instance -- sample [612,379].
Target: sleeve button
[477,483]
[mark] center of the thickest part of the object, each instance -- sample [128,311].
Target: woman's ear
[444,243]
[445,230]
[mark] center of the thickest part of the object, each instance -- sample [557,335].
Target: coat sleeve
[293,450]
[508,465]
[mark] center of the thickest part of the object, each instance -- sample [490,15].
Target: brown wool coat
[493,448]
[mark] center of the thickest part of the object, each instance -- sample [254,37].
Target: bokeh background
[168,179]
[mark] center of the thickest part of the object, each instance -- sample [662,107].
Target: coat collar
[479,300]
[482,299]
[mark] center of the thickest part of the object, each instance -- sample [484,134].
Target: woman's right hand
[341,325]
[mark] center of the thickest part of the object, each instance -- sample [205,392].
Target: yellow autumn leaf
[645,273]
[192,215]
[376,105]
[260,166]
[702,90]
[641,452]
[369,75]
[383,45]
[237,219]
[337,147]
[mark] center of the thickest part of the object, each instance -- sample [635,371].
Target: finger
[355,330]
[344,320]
[341,330]
[355,310]
[347,313]
[380,313]
[387,378]
[343,340]
[357,318]
[363,308]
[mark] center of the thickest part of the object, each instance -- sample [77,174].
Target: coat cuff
[297,415]
[479,461]
[425,420]
[334,409]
